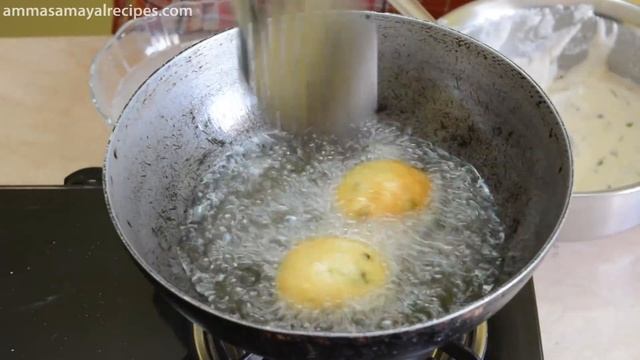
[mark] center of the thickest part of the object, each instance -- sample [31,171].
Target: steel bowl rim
[622,190]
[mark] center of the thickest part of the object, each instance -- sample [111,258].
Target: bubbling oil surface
[261,195]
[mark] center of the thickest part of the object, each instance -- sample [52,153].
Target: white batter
[602,113]
[600,109]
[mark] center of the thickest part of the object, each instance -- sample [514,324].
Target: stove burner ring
[471,346]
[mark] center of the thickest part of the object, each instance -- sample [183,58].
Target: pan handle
[458,352]
[87,177]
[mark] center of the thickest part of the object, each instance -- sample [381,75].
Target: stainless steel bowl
[597,214]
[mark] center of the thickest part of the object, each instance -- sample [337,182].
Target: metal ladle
[312,69]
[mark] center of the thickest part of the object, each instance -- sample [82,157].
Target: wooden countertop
[49,125]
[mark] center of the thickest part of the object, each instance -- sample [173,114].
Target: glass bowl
[143,45]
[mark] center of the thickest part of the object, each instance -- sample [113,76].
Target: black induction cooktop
[71,291]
